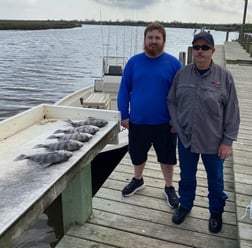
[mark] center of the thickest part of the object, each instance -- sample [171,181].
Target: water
[43,66]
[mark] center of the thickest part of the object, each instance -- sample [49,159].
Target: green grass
[36,25]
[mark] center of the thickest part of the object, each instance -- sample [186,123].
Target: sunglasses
[203,47]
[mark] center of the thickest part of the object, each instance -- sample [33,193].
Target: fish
[68,145]
[83,137]
[97,122]
[47,158]
[90,121]
[82,129]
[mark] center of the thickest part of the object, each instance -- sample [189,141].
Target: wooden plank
[245,244]
[244,178]
[73,242]
[242,211]
[156,194]
[242,149]
[234,52]
[154,171]
[119,238]
[97,100]
[149,233]
[218,57]
[229,186]
[245,231]
[134,208]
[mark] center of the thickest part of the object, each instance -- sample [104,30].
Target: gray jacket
[204,108]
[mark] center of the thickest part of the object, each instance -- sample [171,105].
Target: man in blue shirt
[142,101]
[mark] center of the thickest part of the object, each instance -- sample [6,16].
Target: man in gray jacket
[204,111]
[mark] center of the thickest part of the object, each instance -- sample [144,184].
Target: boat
[102,94]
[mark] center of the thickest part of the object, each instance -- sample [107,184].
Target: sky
[196,11]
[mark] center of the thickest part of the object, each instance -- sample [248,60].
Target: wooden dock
[240,64]
[144,220]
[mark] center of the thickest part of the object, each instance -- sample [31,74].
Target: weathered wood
[182,57]
[245,244]
[201,181]
[157,191]
[147,201]
[121,238]
[98,100]
[119,230]
[144,220]
[77,199]
[148,211]
[73,242]
[157,188]
[243,147]
[27,189]
[245,231]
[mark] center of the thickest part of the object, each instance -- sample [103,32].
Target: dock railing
[245,40]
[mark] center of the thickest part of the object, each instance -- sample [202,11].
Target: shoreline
[58,24]
[37,25]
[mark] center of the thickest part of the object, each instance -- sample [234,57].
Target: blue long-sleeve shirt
[144,88]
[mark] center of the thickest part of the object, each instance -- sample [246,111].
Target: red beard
[153,50]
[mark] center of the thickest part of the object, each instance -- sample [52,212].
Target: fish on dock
[83,137]
[90,121]
[81,129]
[68,145]
[47,158]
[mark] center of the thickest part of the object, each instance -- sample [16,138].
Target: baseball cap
[206,36]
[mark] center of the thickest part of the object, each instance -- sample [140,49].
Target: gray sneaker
[133,187]
[171,197]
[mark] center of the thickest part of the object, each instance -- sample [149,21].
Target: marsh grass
[36,25]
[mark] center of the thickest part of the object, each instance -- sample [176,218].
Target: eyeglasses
[203,47]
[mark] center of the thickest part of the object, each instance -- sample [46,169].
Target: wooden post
[189,55]
[227,35]
[247,41]
[182,57]
[250,45]
[77,199]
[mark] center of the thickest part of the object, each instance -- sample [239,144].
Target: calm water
[43,66]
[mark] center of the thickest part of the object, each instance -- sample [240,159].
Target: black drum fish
[68,145]
[81,129]
[83,137]
[90,121]
[47,158]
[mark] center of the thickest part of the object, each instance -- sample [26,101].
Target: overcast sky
[201,11]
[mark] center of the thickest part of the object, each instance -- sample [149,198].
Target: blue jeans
[187,185]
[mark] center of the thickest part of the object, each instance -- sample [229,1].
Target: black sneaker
[179,215]
[171,197]
[215,223]
[133,187]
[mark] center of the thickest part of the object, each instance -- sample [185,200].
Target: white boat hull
[74,100]
[103,94]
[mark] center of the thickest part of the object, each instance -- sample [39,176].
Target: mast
[245,12]
[243,21]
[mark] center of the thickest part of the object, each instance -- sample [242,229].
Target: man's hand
[125,123]
[173,130]
[224,151]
